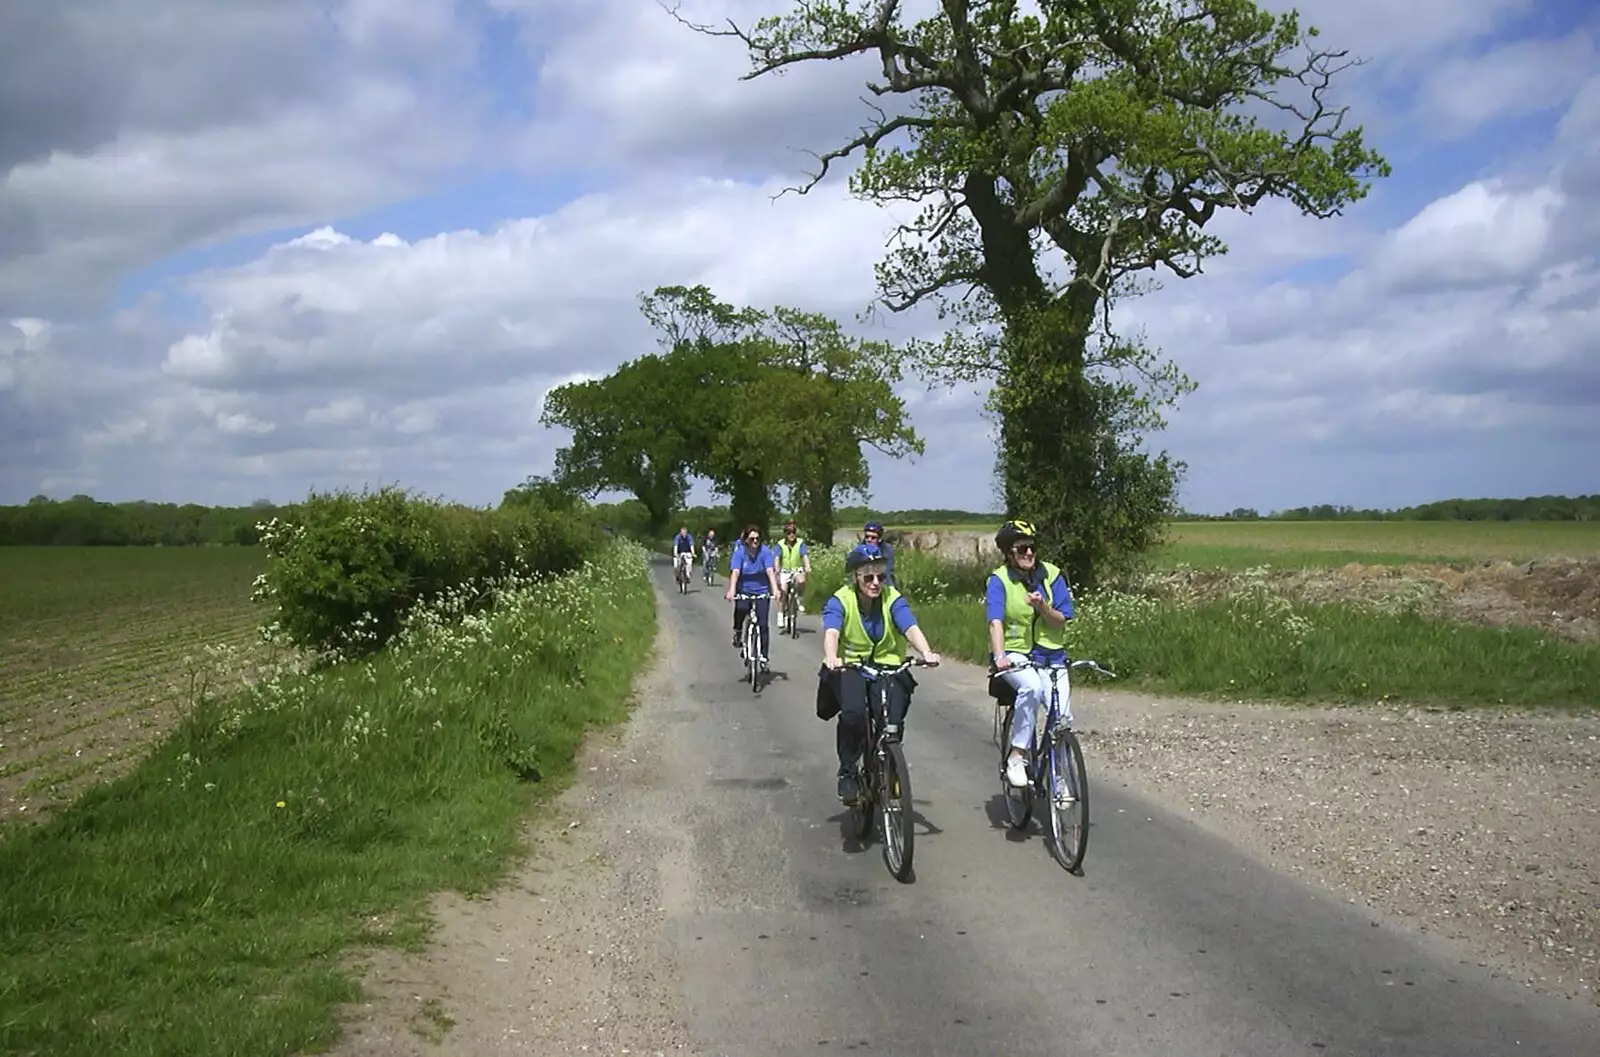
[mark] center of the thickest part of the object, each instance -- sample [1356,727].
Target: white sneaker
[1017,772]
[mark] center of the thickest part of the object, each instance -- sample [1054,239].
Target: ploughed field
[101,650]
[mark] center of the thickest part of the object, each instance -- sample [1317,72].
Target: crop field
[100,650]
[1304,543]
[1242,544]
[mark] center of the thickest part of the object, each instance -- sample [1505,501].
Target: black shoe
[849,792]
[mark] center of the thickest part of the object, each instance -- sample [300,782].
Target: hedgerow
[346,571]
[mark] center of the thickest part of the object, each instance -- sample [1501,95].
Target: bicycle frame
[750,639]
[882,743]
[1042,763]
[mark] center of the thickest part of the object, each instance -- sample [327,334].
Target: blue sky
[255,248]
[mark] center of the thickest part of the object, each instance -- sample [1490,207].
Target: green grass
[1266,649]
[208,901]
[1259,645]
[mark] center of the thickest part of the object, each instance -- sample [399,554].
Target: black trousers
[847,693]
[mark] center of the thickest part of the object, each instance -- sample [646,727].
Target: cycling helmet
[862,554]
[873,526]
[787,525]
[1011,533]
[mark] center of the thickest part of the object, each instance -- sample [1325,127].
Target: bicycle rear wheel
[899,836]
[863,812]
[1069,801]
[791,613]
[1019,802]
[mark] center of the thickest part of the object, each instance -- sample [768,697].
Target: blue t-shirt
[994,608]
[683,543]
[904,619]
[751,570]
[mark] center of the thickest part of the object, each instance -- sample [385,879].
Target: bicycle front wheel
[1069,801]
[791,614]
[752,654]
[894,808]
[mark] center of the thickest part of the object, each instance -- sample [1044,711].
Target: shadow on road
[995,808]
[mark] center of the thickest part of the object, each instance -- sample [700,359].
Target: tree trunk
[750,501]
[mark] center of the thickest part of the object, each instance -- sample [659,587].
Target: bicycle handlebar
[749,598]
[892,669]
[1093,666]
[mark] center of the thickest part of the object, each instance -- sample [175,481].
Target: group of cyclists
[1027,603]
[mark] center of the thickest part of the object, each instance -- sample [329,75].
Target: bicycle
[882,778]
[680,572]
[791,607]
[710,565]
[1058,776]
[750,641]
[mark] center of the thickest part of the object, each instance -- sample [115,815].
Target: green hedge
[345,573]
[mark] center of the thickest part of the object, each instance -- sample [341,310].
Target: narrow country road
[732,906]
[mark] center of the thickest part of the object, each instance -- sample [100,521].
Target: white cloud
[1484,232]
[217,121]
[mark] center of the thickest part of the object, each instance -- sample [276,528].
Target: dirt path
[567,957]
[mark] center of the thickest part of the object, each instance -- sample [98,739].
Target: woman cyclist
[1027,604]
[855,628]
[751,572]
[794,566]
[708,551]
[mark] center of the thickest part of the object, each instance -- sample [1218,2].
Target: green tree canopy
[753,401]
[1110,133]
[625,437]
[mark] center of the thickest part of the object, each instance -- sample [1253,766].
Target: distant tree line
[1530,508]
[83,521]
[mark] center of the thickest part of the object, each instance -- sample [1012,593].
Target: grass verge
[205,902]
[1257,643]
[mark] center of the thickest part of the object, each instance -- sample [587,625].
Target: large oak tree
[1102,135]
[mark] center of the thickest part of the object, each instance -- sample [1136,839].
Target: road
[789,938]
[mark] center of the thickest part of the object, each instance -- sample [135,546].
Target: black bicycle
[680,571]
[883,780]
[710,564]
[750,642]
[1055,765]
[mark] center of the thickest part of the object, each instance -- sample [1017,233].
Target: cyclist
[682,550]
[708,551]
[794,565]
[872,532]
[751,572]
[866,620]
[1027,604]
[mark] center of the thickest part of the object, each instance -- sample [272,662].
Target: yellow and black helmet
[1012,533]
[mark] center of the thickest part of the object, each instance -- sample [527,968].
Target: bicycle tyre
[791,614]
[1019,802]
[1069,832]
[752,653]
[864,811]
[899,834]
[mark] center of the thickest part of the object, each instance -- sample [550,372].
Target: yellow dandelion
[282,804]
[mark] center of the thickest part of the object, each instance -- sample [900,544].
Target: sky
[254,248]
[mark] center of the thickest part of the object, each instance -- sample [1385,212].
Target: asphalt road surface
[796,940]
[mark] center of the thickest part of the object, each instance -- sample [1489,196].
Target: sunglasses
[1022,548]
[873,578]
[752,539]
